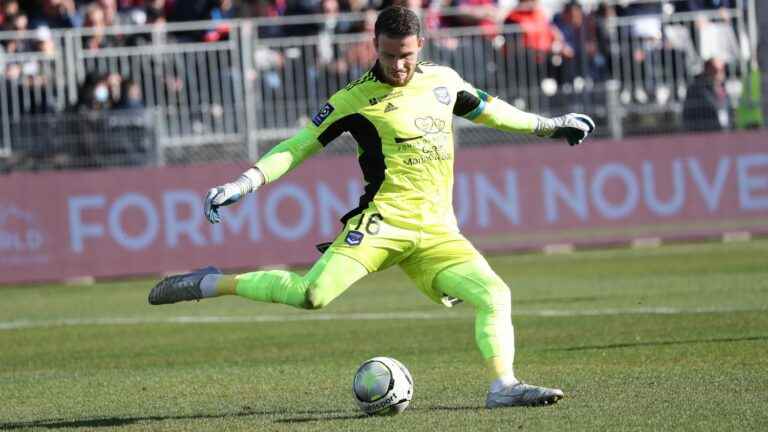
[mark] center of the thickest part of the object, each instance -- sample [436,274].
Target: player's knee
[499,298]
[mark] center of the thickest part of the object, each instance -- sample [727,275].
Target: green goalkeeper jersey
[405,143]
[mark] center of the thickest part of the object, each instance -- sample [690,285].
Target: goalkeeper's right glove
[573,127]
[230,193]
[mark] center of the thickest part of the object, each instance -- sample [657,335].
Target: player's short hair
[397,22]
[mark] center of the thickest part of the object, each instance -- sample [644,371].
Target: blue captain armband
[475,112]
[484,98]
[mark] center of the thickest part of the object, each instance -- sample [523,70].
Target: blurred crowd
[563,43]
[563,28]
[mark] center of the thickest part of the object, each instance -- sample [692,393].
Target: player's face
[398,57]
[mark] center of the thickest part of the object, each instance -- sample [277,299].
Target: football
[382,386]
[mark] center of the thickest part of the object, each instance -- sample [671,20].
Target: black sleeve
[465,103]
[334,130]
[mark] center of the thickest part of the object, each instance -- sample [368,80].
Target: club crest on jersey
[354,238]
[442,95]
[323,114]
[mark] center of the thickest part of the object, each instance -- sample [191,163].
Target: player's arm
[284,157]
[287,155]
[481,108]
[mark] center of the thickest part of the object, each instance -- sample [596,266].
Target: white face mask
[101,93]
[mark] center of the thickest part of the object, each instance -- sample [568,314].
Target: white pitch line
[208,319]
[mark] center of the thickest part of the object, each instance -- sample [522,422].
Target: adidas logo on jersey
[389,108]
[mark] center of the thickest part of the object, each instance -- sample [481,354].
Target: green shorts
[377,245]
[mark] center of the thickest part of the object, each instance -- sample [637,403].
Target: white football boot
[522,394]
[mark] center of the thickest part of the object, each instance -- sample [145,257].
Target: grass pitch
[674,338]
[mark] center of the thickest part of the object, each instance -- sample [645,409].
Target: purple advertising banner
[62,225]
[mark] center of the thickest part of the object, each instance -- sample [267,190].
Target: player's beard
[399,80]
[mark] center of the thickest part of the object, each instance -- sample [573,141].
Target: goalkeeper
[400,113]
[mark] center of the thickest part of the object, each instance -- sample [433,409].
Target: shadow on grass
[303,417]
[99,422]
[452,408]
[661,343]
[312,418]
[556,300]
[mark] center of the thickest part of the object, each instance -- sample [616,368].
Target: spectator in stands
[112,17]
[222,10]
[17,23]
[472,13]
[130,95]
[153,14]
[541,48]
[130,5]
[482,14]
[89,122]
[574,60]
[716,34]
[156,10]
[645,43]
[43,41]
[701,5]
[598,40]
[333,8]
[9,9]
[114,83]
[93,93]
[267,9]
[327,54]
[130,128]
[540,37]
[360,56]
[95,19]
[267,62]
[355,5]
[190,10]
[707,106]
[302,7]
[111,127]
[56,14]
[414,5]
[26,79]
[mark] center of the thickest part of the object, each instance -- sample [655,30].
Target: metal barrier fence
[87,139]
[235,94]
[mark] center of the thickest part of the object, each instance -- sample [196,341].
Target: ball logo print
[382,386]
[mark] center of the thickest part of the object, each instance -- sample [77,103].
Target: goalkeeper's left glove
[573,127]
[230,193]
